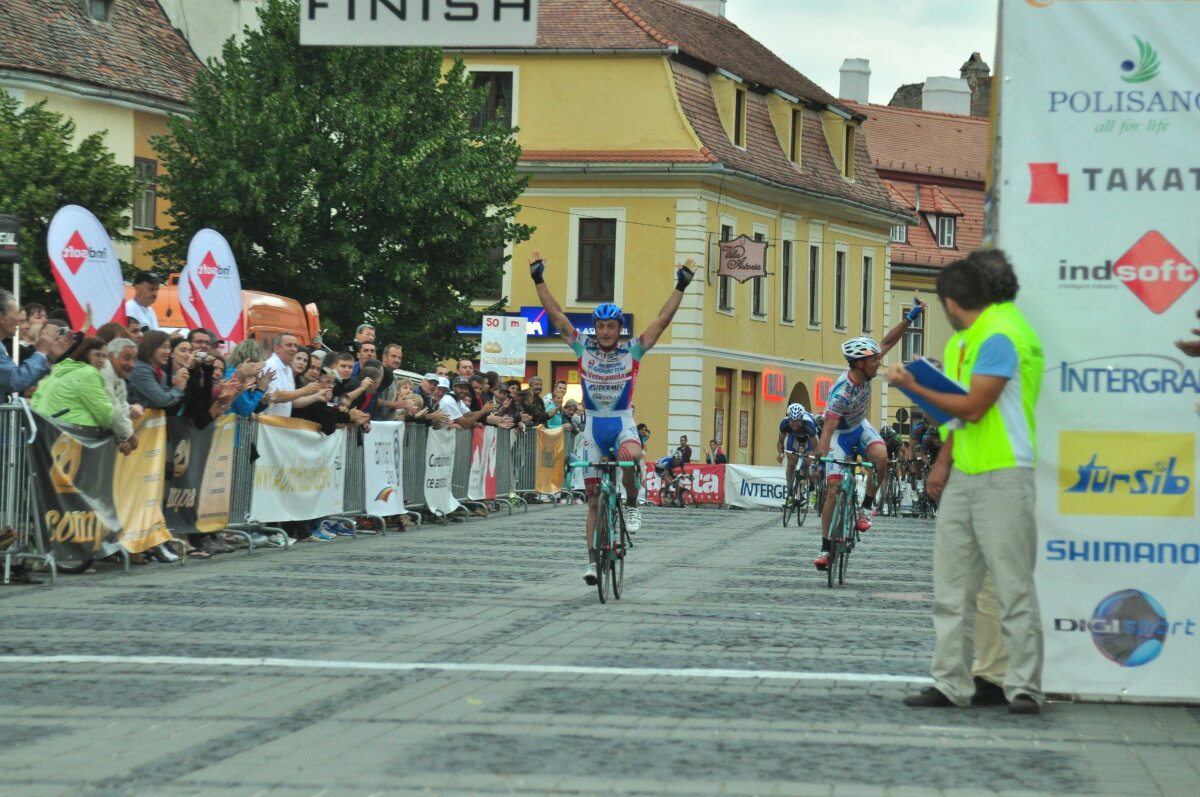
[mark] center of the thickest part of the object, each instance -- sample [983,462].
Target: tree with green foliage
[42,169]
[348,176]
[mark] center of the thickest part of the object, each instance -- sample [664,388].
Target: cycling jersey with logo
[849,402]
[798,439]
[608,377]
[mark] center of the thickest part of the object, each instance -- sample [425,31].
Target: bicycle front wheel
[617,561]
[687,498]
[603,546]
[802,499]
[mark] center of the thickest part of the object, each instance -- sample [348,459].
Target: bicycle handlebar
[847,462]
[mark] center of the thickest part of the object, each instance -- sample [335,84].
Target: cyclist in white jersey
[608,370]
[847,434]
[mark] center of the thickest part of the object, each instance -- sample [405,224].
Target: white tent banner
[439,467]
[383,450]
[502,346]
[754,486]
[436,23]
[1097,190]
[300,473]
[86,269]
[210,289]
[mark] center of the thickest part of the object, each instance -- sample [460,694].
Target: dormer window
[739,118]
[945,229]
[900,234]
[99,9]
[797,131]
[848,152]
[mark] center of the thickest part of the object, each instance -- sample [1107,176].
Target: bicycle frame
[609,543]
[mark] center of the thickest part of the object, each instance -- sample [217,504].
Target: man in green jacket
[986,520]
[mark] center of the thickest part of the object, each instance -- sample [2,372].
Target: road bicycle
[891,501]
[843,528]
[799,493]
[612,539]
[676,490]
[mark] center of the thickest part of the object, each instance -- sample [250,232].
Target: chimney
[946,95]
[714,7]
[856,80]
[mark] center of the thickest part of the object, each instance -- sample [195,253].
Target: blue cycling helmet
[608,310]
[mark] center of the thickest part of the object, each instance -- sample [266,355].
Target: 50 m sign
[419,23]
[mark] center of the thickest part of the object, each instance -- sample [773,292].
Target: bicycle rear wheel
[844,557]
[836,535]
[619,550]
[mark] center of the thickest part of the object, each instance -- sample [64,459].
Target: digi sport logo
[1128,627]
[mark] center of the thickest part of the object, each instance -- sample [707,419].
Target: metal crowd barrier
[20,529]
[524,452]
[416,438]
[354,498]
[242,495]
[505,482]
[460,476]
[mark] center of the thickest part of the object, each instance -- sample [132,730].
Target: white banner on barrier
[1099,119]
[482,483]
[439,467]
[300,474]
[383,450]
[754,486]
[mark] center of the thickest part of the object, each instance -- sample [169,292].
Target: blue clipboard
[928,376]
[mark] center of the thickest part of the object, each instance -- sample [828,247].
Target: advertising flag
[383,450]
[86,268]
[482,483]
[210,289]
[300,473]
[137,485]
[1096,193]
[549,479]
[439,469]
[502,346]
[200,474]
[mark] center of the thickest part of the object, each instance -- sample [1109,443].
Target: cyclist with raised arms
[797,435]
[847,433]
[608,369]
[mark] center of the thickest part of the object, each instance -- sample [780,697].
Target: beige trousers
[986,524]
[991,660]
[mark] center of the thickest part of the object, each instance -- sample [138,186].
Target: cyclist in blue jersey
[847,433]
[797,435]
[608,370]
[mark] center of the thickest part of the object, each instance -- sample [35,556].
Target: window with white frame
[912,345]
[597,259]
[814,286]
[900,234]
[839,290]
[145,207]
[945,232]
[787,310]
[868,292]
[724,283]
[758,290]
[497,101]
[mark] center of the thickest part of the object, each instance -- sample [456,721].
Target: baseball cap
[443,382]
[430,377]
[461,380]
[146,276]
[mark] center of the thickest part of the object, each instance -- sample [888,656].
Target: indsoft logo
[1155,272]
[1142,474]
[1129,627]
[1146,67]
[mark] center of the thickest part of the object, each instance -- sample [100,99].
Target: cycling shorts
[849,444]
[604,436]
[794,444]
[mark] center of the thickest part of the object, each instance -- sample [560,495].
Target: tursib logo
[1159,480]
[1153,269]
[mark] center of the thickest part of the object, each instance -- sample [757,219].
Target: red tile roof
[136,51]
[922,248]
[925,198]
[925,142]
[620,155]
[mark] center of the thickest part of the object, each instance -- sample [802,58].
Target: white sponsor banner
[482,483]
[502,346]
[439,467]
[754,486]
[383,450]
[428,23]
[86,269]
[1097,189]
[210,289]
[300,473]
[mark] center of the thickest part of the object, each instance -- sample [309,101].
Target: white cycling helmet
[795,412]
[858,348]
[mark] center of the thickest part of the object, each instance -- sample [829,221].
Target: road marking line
[405,666]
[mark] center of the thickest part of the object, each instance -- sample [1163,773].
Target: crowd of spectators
[109,379]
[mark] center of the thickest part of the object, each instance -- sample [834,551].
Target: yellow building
[116,66]
[652,130]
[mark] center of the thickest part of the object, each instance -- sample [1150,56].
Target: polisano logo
[1155,272]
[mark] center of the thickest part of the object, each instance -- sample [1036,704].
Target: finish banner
[549,475]
[439,468]
[754,486]
[200,475]
[138,485]
[76,500]
[85,267]
[482,484]
[383,454]
[210,289]
[300,474]
[1099,115]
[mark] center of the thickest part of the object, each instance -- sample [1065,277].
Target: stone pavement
[749,675]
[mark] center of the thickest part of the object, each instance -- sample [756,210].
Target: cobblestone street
[471,659]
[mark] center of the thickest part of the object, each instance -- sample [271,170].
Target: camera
[200,356]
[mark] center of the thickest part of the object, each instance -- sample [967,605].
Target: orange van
[265,314]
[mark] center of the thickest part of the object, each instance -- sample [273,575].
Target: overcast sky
[906,41]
